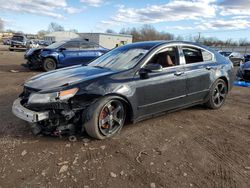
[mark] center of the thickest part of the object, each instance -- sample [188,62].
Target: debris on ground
[86,140]
[152,185]
[63,163]
[103,147]
[113,175]
[122,173]
[24,152]
[72,138]
[63,169]
[138,158]
[14,71]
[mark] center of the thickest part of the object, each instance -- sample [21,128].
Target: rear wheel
[217,95]
[107,117]
[49,64]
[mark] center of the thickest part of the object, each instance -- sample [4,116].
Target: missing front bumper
[28,115]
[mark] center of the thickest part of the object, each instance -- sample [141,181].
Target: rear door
[199,68]
[69,54]
[88,52]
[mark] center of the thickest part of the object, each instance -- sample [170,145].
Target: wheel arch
[50,57]
[126,102]
[224,78]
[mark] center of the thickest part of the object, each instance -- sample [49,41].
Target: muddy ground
[195,147]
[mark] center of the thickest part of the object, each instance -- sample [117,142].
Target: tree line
[147,33]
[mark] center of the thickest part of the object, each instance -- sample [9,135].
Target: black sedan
[243,73]
[132,82]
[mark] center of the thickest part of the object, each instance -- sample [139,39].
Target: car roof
[151,44]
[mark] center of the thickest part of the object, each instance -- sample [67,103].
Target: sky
[211,18]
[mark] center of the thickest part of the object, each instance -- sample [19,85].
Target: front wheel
[106,118]
[217,95]
[49,64]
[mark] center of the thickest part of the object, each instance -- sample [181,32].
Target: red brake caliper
[103,115]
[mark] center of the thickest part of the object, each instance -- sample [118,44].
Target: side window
[167,57]
[206,55]
[88,46]
[71,46]
[196,55]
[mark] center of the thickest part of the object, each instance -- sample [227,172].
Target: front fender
[53,55]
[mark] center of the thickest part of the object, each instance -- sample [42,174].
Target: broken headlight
[38,98]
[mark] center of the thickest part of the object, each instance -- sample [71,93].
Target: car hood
[32,50]
[66,76]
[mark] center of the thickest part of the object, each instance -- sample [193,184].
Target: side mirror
[149,68]
[153,68]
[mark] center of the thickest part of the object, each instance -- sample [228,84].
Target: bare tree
[41,33]
[110,31]
[73,30]
[146,33]
[243,42]
[55,27]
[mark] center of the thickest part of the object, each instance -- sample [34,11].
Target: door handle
[208,68]
[178,73]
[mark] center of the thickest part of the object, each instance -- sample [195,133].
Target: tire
[49,64]
[217,94]
[100,117]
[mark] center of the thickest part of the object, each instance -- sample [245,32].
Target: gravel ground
[195,147]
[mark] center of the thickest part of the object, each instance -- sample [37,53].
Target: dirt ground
[195,147]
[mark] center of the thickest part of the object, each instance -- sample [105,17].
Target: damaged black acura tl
[132,82]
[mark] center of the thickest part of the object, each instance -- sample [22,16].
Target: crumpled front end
[50,113]
[33,58]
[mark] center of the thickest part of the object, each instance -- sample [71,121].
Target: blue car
[63,54]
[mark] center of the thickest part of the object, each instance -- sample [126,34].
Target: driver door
[163,90]
[69,55]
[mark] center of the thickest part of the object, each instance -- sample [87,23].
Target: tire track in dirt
[227,164]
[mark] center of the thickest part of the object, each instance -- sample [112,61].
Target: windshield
[122,58]
[56,45]
[18,38]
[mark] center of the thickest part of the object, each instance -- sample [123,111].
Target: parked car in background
[6,41]
[246,57]
[18,41]
[236,58]
[63,54]
[43,43]
[33,44]
[134,81]
[243,73]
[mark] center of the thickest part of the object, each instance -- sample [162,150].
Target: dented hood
[62,77]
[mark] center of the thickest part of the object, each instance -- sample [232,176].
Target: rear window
[88,46]
[196,55]
[71,45]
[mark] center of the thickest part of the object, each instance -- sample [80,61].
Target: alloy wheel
[219,94]
[111,117]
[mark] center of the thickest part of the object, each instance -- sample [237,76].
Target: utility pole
[199,37]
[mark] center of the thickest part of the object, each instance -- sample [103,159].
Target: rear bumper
[26,114]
